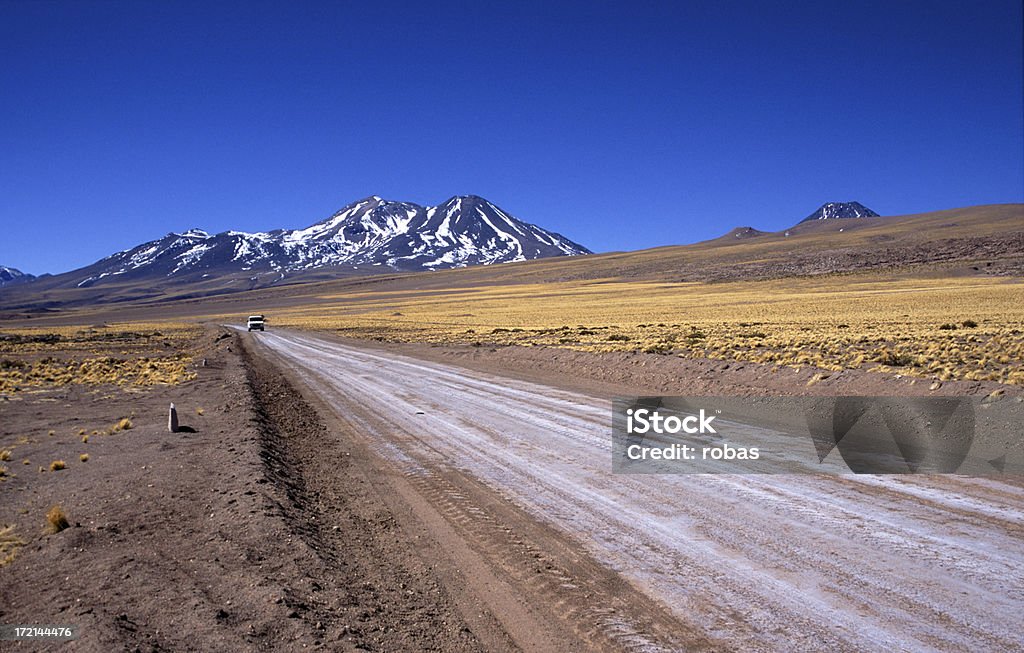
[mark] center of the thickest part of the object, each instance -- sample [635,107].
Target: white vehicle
[256,322]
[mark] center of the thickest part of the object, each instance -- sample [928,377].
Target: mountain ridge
[973,241]
[369,233]
[10,276]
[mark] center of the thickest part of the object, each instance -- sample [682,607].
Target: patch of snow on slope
[507,237]
[191,256]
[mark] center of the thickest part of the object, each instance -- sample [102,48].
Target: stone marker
[172,420]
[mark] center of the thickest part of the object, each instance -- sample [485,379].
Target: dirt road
[504,471]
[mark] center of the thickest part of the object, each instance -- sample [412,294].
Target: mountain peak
[469,199]
[13,275]
[834,210]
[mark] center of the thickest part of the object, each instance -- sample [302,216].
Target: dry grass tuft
[9,544]
[200,411]
[57,465]
[85,439]
[84,457]
[74,355]
[57,520]
[124,425]
[5,454]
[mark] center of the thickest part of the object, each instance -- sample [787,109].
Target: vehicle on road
[256,322]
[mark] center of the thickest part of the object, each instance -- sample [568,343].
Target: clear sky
[621,125]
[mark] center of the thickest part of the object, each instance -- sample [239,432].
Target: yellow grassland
[138,354]
[903,325]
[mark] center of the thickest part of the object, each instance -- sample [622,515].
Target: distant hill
[742,233]
[830,211]
[10,276]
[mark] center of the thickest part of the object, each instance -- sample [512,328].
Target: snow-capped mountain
[10,276]
[833,210]
[370,234]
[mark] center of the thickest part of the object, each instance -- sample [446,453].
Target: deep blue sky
[622,125]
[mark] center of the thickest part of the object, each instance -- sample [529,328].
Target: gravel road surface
[795,562]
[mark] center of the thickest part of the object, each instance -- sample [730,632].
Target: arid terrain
[350,502]
[419,462]
[248,529]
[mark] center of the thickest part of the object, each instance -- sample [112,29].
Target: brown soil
[218,539]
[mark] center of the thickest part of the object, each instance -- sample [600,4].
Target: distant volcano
[836,210]
[371,234]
